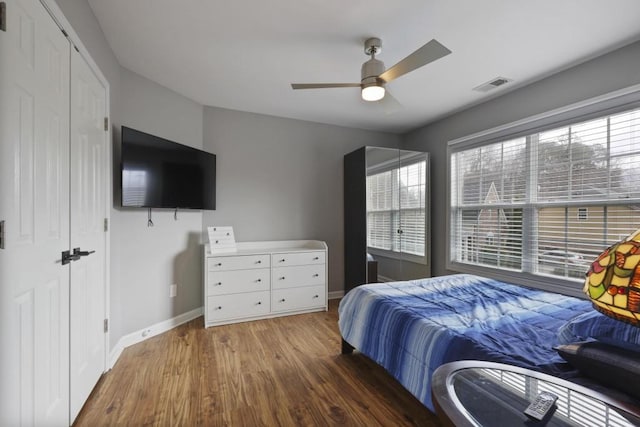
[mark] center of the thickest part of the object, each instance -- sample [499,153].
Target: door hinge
[106,225]
[106,123]
[3,16]
[106,325]
[2,234]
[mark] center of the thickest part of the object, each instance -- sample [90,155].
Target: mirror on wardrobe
[387,212]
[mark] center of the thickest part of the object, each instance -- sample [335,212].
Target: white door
[34,206]
[89,170]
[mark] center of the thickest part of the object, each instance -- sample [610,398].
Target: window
[396,209]
[546,203]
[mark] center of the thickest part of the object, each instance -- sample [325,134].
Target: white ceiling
[243,54]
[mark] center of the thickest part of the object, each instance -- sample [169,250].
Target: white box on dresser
[265,279]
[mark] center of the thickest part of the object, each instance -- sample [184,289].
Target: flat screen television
[158,173]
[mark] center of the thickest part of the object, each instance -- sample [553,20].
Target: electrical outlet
[173,290]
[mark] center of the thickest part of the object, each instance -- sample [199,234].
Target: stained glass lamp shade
[613,281]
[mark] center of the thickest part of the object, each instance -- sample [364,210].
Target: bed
[412,327]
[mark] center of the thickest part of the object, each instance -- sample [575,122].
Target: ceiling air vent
[492,84]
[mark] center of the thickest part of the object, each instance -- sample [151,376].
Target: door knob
[79,253]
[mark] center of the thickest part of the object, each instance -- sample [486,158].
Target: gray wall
[616,70]
[281,179]
[147,260]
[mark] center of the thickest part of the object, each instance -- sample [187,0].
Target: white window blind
[380,207]
[396,201]
[549,202]
[134,185]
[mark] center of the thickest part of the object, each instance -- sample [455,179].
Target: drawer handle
[316,258]
[316,275]
[217,241]
[217,284]
[316,296]
[259,303]
[282,300]
[219,307]
[258,262]
[218,264]
[282,278]
[259,280]
[282,260]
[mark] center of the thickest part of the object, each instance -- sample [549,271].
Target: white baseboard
[336,294]
[164,326]
[151,331]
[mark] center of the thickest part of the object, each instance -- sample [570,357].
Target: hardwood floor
[278,372]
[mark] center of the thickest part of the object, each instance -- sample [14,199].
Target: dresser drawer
[298,298]
[237,305]
[241,262]
[237,281]
[297,258]
[304,275]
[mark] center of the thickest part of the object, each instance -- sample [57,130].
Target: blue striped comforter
[410,328]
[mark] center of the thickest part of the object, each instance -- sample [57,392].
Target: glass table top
[489,396]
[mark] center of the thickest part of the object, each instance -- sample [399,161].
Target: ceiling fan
[375,77]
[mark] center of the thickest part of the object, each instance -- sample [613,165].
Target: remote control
[541,405]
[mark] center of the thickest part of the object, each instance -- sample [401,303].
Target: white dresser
[264,279]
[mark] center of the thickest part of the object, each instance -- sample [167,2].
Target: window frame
[604,105]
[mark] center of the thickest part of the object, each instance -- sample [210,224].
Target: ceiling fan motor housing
[370,72]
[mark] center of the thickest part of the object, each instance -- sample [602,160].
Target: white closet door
[34,205]
[89,171]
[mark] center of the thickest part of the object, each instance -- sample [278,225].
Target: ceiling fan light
[373,93]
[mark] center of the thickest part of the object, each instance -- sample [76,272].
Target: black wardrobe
[386,229]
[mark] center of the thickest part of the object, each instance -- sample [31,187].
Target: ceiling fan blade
[322,85]
[428,53]
[390,104]
[386,106]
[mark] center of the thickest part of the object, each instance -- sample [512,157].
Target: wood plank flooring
[277,372]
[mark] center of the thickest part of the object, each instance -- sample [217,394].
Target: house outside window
[396,211]
[551,200]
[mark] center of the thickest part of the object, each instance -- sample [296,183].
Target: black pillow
[615,367]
